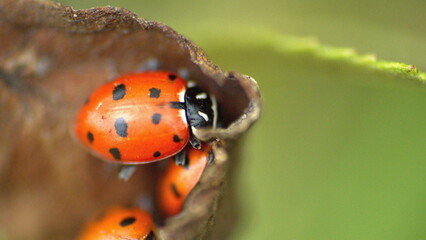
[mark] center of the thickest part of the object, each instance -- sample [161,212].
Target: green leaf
[282,44]
[339,151]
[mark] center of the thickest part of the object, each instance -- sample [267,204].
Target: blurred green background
[339,152]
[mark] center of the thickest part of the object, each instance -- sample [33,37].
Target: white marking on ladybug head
[203,115]
[202,95]
[194,131]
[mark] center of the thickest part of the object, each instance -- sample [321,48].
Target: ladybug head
[201,109]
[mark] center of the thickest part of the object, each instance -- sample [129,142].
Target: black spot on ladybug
[176,138]
[156,154]
[154,93]
[177,105]
[119,92]
[174,190]
[90,137]
[127,221]
[172,77]
[120,126]
[115,153]
[151,236]
[156,117]
[86,101]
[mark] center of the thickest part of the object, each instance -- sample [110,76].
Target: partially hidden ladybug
[144,117]
[177,180]
[119,223]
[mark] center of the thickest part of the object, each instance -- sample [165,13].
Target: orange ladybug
[118,223]
[144,117]
[177,181]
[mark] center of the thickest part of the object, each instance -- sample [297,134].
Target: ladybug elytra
[144,117]
[177,180]
[120,223]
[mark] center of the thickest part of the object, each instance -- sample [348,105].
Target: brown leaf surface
[51,58]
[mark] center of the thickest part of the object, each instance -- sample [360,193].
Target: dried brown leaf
[51,58]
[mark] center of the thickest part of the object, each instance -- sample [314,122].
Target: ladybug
[120,223]
[144,117]
[177,180]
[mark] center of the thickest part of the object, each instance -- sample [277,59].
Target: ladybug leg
[210,157]
[184,73]
[145,202]
[112,71]
[195,142]
[180,158]
[126,172]
[149,65]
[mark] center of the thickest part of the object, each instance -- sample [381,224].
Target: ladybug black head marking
[200,108]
